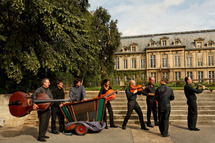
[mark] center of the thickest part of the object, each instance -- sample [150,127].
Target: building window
[190,74]
[117,80]
[134,63]
[153,65]
[133,77]
[177,61]
[152,44]
[211,76]
[153,74]
[189,61]
[125,78]
[177,75]
[125,64]
[164,61]
[133,49]
[199,59]
[210,60]
[142,77]
[165,75]
[164,42]
[117,63]
[200,76]
[142,63]
[199,45]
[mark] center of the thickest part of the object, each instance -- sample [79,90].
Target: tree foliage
[41,38]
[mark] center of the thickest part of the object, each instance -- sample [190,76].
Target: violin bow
[202,85]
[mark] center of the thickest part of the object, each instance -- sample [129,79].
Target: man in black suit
[57,93]
[43,115]
[191,102]
[133,105]
[151,103]
[164,94]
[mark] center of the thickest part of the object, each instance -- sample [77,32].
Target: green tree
[107,38]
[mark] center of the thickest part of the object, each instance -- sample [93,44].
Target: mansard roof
[187,38]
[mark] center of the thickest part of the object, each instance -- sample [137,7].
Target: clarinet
[202,85]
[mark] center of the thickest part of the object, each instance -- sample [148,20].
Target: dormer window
[133,47]
[210,44]
[164,41]
[152,43]
[199,43]
[177,42]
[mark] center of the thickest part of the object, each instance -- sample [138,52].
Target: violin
[21,104]
[138,88]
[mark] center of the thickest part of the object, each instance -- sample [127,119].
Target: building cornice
[170,33]
[197,49]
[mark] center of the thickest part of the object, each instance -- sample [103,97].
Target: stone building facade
[170,55]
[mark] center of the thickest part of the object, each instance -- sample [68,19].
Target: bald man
[132,104]
[149,92]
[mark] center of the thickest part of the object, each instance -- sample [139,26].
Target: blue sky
[139,17]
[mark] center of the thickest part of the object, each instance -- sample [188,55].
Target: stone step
[173,107]
[211,103]
[173,112]
[176,122]
[172,117]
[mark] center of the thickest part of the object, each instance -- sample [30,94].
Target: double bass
[21,104]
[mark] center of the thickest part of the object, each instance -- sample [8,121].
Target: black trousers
[43,122]
[56,112]
[133,105]
[164,122]
[192,114]
[110,111]
[151,107]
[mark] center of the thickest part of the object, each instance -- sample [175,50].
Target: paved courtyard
[133,134]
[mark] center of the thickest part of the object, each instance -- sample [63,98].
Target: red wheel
[80,129]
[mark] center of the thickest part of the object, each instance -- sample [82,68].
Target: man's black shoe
[46,137]
[54,132]
[149,125]
[144,128]
[165,135]
[124,127]
[106,127]
[114,126]
[156,124]
[195,129]
[41,139]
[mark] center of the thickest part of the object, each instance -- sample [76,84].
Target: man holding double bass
[45,114]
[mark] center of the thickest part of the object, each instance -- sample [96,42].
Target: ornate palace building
[170,55]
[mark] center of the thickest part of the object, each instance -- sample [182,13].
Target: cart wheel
[80,129]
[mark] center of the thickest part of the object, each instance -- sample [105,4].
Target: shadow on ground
[12,132]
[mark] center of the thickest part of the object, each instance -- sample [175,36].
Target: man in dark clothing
[164,95]
[151,103]
[132,104]
[191,102]
[43,115]
[77,92]
[57,93]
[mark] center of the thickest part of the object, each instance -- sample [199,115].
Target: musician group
[158,103]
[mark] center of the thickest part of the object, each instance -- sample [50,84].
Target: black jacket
[190,92]
[103,90]
[130,95]
[57,94]
[164,94]
[149,89]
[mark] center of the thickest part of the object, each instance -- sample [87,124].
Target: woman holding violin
[104,88]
